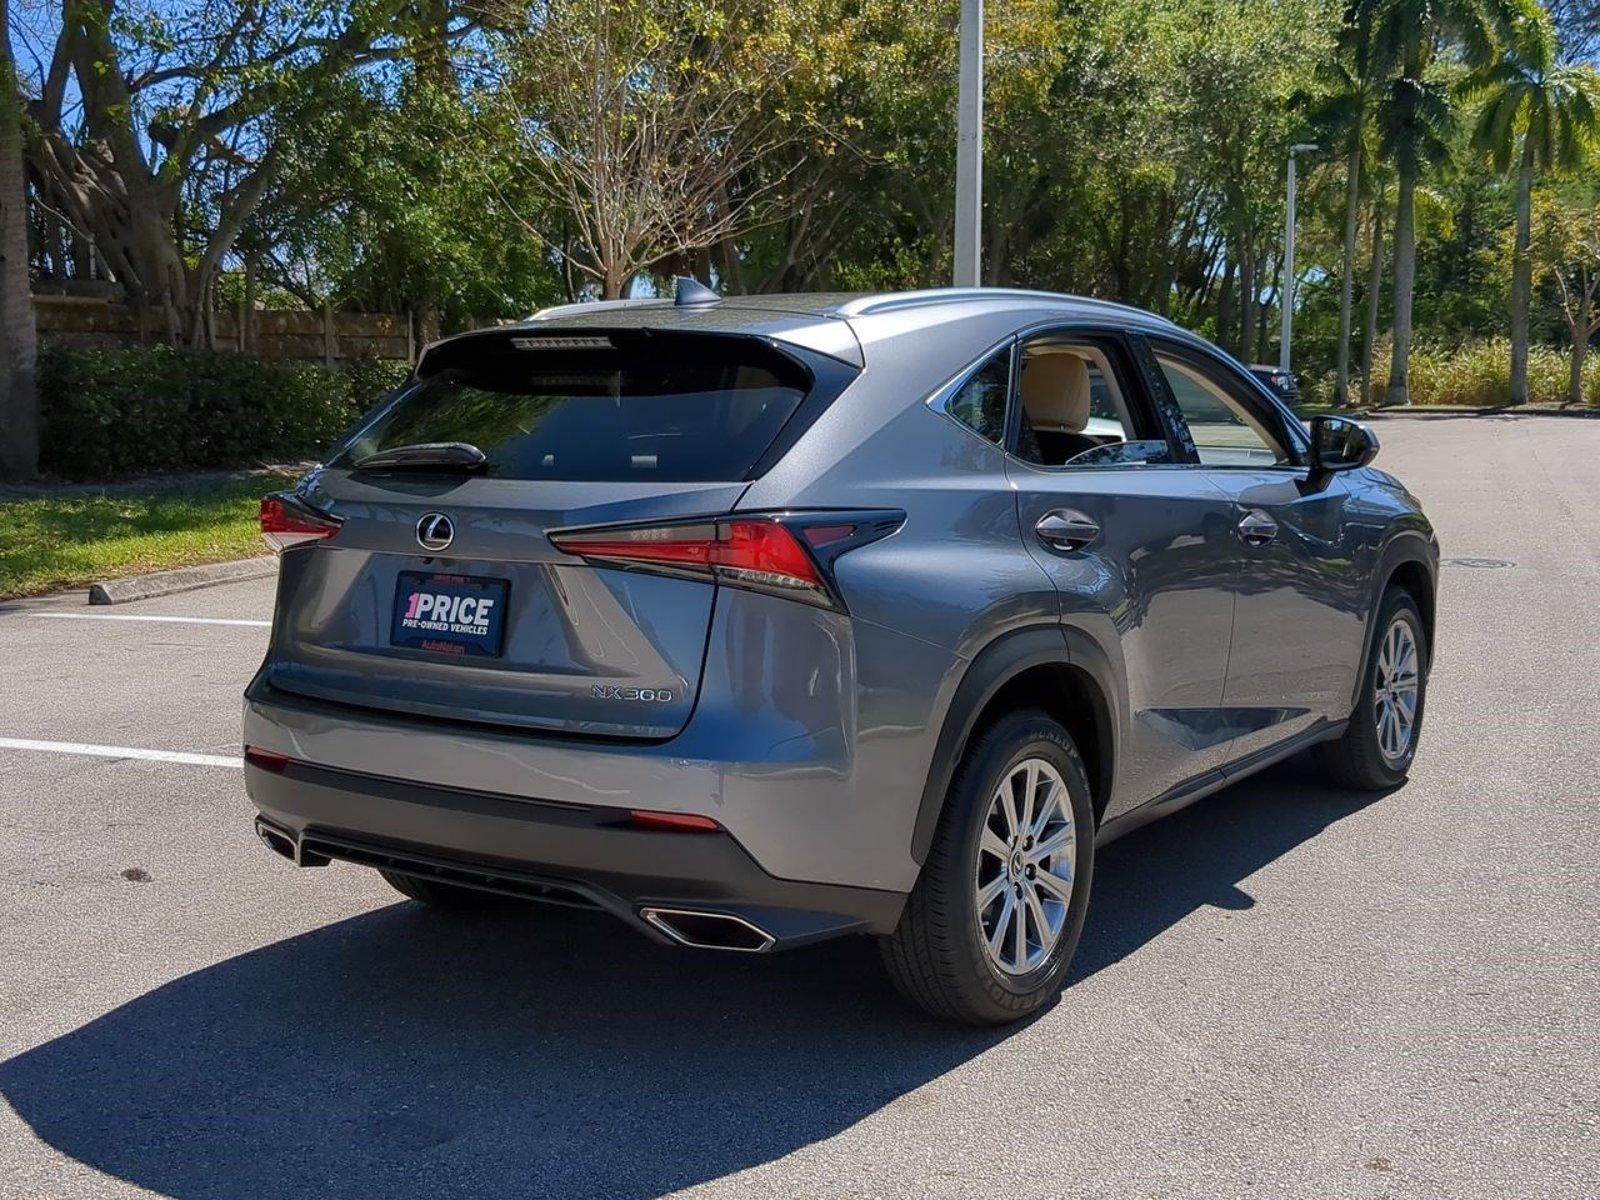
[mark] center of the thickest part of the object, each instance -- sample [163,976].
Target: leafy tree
[156,132]
[1565,250]
[1542,113]
[387,201]
[636,118]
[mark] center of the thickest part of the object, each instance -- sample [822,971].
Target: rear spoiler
[830,336]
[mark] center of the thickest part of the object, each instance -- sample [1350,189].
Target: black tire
[436,894]
[935,955]
[1356,760]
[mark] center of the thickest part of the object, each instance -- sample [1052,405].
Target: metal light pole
[969,147]
[1287,291]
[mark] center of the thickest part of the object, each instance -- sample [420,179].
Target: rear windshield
[630,406]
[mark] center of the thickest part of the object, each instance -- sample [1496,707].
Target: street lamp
[1287,291]
[969,146]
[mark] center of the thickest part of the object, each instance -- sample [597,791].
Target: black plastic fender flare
[990,670]
[1406,546]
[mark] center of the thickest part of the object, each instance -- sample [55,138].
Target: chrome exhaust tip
[275,841]
[709,930]
[281,842]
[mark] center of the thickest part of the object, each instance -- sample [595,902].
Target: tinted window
[980,402]
[1227,432]
[614,408]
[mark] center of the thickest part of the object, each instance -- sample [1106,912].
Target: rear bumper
[558,852]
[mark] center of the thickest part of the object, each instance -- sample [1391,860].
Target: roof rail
[864,306]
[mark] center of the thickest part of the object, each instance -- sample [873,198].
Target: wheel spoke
[1029,786]
[988,892]
[1046,938]
[1020,937]
[1047,809]
[1053,844]
[1002,924]
[1060,885]
[991,843]
[1004,803]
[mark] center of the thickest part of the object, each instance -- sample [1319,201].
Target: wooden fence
[93,322]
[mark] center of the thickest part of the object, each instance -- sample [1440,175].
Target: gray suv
[764,620]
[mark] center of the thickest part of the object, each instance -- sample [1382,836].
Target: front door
[1135,544]
[1297,624]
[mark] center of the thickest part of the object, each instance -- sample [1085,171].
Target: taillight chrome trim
[820,535]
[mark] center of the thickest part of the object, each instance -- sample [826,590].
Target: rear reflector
[642,818]
[267,760]
[288,521]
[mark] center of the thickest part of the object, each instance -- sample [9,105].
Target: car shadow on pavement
[406,1053]
[1151,879]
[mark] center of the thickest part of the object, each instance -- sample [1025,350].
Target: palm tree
[1379,185]
[1415,116]
[1543,113]
[1342,115]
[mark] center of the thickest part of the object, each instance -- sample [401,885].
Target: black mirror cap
[1340,444]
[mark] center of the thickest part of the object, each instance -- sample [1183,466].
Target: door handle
[1066,529]
[1255,528]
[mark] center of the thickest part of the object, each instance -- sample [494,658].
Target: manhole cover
[1480,564]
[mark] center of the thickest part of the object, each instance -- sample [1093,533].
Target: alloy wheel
[1027,857]
[1394,698]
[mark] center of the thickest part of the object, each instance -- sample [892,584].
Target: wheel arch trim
[1406,548]
[999,662]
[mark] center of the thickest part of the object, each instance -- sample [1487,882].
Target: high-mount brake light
[288,521]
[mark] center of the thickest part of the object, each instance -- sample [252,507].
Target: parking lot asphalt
[1285,991]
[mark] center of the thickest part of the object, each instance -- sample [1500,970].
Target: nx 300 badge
[607,692]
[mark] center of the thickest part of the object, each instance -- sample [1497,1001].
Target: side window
[1226,430]
[1074,410]
[980,402]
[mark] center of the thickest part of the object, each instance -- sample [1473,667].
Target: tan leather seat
[1055,392]
[1055,407]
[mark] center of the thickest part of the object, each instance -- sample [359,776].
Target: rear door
[442,595]
[1134,542]
[1300,599]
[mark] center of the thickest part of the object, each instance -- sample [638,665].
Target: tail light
[791,554]
[287,521]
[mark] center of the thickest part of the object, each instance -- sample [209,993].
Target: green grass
[73,537]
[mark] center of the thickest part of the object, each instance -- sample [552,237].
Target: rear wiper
[459,456]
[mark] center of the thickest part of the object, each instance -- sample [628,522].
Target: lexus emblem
[435,531]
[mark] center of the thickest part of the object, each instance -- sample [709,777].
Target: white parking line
[176,756]
[48,616]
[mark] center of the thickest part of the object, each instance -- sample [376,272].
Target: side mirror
[1340,444]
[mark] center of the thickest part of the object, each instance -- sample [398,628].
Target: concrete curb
[1452,410]
[185,579]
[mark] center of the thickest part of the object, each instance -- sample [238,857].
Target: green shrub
[1478,374]
[134,410]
